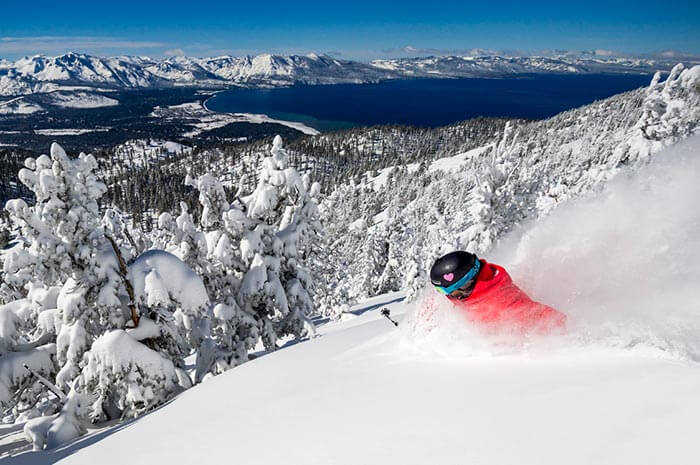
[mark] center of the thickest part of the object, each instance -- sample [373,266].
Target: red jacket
[497,301]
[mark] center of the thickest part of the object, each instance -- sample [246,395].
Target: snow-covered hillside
[593,211]
[202,119]
[620,387]
[19,106]
[43,74]
[384,231]
[81,98]
[366,393]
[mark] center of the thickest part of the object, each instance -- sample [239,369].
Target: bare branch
[131,240]
[44,339]
[127,283]
[52,387]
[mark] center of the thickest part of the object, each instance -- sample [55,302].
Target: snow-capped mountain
[481,66]
[286,70]
[73,67]
[43,74]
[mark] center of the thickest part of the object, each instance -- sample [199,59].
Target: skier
[488,295]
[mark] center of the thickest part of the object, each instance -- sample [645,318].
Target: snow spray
[623,263]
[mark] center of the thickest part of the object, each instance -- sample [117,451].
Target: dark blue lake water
[426,102]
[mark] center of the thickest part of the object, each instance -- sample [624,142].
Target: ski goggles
[461,282]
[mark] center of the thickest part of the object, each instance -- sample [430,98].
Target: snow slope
[79,100]
[365,392]
[71,98]
[621,387]
[19,106]
[453,163]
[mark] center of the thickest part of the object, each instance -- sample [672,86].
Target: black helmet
[449,269]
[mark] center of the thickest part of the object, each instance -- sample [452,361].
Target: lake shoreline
[261,118]
[423,102]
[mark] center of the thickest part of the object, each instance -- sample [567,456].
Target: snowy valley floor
[366,392]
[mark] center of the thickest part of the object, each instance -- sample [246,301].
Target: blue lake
[426,102]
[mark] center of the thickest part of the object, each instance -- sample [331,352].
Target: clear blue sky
[354,29]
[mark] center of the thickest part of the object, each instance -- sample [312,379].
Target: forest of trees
[103,316]
[331,159]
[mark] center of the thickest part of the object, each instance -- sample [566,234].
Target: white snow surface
[453,163]
[68,98]
[159,278]
[203,119]
[80,100]
[68,131]
[621,387]
[19,106]
[365,392]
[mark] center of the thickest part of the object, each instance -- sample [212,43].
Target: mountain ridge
[40,73]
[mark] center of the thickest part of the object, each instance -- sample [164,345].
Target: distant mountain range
[46,74]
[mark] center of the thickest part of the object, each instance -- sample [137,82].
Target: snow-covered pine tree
[489,200]
[299,231]
[258,249]
[212,197]
[339,243]
[135,369]
[70,248]
[166,236]
[233,331]
[665,118]
[38,255]
[191,246]
[61,245]
[396,259]
[69,329]
[370,264]
[284,220]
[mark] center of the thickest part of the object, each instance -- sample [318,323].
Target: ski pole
[386,313]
